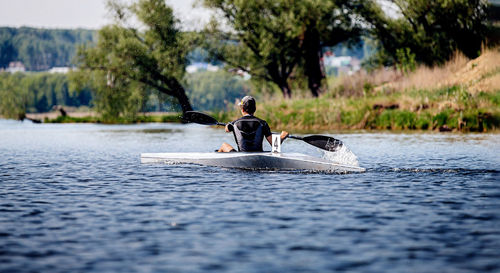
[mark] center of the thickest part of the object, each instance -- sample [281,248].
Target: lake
[75,198]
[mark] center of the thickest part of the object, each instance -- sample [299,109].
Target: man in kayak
[249,130]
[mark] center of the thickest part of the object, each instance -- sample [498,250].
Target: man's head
[247,104]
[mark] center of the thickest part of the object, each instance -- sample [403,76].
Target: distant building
[341,64]
[337,61]
[62,70]
[16,67]
[195,67]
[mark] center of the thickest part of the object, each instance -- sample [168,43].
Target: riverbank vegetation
[90,118]
[461,95]
[41,96]
[427,68]
[41,49]
[22,93]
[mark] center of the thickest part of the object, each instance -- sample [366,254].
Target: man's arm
[283,136]
[270,139]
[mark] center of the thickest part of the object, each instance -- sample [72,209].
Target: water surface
[75,198]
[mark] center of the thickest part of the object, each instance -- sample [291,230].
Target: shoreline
[93,117]
[276,124]
[77,114]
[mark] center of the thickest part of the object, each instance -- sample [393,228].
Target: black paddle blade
[324,142]
[200,118]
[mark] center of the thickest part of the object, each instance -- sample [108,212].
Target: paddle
[200,118]
[323,142]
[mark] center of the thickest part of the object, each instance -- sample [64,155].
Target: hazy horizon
[88,14]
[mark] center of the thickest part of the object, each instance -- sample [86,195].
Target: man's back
[249,132]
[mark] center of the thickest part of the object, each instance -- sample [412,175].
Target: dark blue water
[75,198]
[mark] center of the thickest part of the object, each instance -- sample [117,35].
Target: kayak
[252,161]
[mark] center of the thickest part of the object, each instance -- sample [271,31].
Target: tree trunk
[176,90]
[313,63]
[280,80]
[180,94]
[285,89]
[183,100]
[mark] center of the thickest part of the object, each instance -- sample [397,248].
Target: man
[249,130]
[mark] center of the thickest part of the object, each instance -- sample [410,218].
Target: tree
[7,53]
[22,93]
[269,38]
[431,30]
[13,97]
[264,39]
[40,49]
[215,90]
[325,24]
[127,61]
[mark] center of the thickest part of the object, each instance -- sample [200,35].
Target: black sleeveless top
[249,131]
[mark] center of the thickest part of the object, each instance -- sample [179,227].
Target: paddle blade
[324,142]
[200,118]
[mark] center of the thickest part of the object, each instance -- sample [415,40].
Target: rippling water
[75,198]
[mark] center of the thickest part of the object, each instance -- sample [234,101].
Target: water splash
[341,155]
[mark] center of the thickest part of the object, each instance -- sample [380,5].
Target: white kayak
[253,161]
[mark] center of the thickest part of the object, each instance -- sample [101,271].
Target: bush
[441,118]
[384,120]
[423,122]
[405,60]
[404,120]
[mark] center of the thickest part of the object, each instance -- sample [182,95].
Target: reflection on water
[76,198]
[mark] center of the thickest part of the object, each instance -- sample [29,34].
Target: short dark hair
[248,104]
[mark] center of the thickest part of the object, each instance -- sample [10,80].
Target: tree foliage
[41,49]
[279,42]
[431,30]
[263,41]
[325,24]
[12,96]
[22,93]
[128,62]
[269,39]
[215,90]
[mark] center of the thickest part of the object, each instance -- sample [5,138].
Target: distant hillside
[41,49]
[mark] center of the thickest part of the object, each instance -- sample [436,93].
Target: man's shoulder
[263,122]
[252,118]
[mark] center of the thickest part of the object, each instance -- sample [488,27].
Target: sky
[89,14]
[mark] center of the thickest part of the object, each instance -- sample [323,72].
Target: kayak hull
[253,161]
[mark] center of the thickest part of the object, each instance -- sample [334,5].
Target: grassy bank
[445,109]
[462,95]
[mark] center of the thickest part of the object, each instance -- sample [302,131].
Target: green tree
[215,90]
[40,49]
[127,62]
[324,24]
[22,93]
[264,39]
[431,30]
[7,53]
[13,97]
[269,38]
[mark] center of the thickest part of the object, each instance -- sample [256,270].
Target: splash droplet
[342,155]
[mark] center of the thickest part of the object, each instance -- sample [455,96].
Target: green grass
[449,107]
[452,108]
